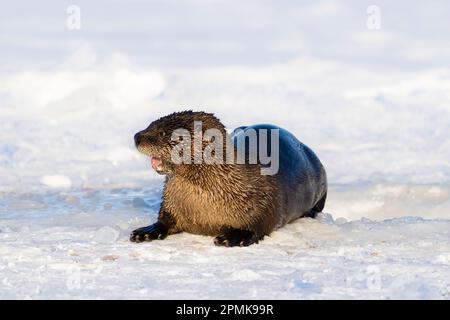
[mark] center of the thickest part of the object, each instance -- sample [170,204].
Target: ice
[244,275]
[68,253]
[106,235]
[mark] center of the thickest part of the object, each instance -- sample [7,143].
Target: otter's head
[156,141]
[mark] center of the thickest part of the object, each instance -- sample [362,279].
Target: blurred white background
[374,103]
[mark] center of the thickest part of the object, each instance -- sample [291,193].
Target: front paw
[149,233]
[236,237]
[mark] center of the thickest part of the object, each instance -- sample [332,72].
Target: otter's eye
[162,134]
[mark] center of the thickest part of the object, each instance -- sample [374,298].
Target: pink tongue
[155,162]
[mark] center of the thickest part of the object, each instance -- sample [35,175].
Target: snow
[56,181]
[374,105]
[52,250]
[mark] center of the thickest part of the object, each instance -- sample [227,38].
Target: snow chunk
[56,181]
[244,275]
[106,235]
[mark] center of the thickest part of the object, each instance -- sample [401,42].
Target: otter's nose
[137,139]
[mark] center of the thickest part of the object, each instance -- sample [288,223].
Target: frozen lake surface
[74,244]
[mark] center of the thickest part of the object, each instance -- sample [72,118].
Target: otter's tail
[317,208]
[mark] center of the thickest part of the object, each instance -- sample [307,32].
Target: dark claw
[236,237]
[149,233]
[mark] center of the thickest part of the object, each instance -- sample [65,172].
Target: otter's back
[301,177]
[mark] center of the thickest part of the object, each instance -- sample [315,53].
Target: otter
[233,202]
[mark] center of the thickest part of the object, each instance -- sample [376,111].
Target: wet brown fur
[209,199]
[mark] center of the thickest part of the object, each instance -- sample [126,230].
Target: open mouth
[157,164]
